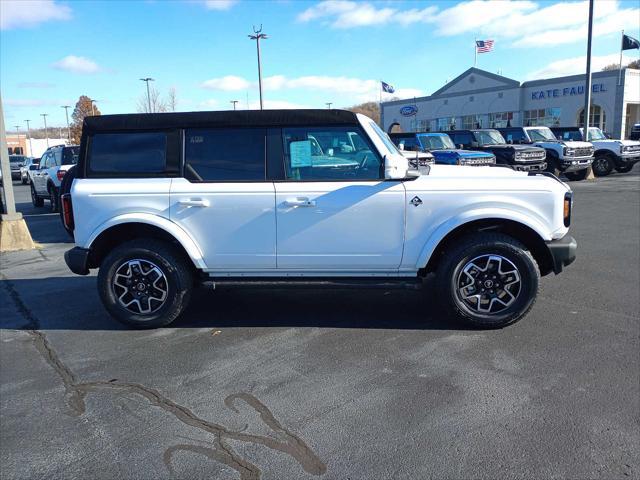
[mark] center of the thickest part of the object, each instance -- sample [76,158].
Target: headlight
[569,152]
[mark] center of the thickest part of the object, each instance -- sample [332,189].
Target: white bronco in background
[161,201]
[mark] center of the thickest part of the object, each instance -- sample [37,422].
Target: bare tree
[616,66]
[157,103]
[172,100]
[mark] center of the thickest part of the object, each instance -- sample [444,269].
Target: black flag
[629,43]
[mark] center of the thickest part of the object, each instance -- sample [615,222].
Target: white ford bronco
[161,202]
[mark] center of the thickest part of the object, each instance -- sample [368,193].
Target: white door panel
[340,225]
[233,223]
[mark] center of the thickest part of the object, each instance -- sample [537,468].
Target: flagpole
[475,52]
[620,68]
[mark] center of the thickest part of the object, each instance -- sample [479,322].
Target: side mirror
[510,142]
[396,167]
[461,146]
[401,146]
[475,144]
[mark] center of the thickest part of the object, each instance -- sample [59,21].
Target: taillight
[67,211]
[60,174]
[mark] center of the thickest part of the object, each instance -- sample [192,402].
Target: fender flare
[489,213]
[165,224]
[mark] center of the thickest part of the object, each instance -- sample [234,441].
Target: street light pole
[30,144]
[234,103]
[147,80]
[93,107]
[66,112]
[46,132]
[258,35]
[587,86]
[328,104]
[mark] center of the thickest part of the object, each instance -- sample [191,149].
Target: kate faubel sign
[566,92]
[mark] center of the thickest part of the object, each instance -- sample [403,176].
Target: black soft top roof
[228,118]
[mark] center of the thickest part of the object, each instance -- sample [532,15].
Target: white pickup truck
[162,201]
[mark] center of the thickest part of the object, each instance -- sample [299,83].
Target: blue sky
[53,51]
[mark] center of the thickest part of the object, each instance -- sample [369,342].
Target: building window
[500,119]
[546,117]
[597,118]
[471,121]
[445,123]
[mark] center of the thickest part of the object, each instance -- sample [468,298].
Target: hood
[576,144]
[480,178]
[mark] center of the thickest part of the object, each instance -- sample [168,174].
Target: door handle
[299,202]
[196,202]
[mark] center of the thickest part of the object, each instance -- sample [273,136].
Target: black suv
[518,157]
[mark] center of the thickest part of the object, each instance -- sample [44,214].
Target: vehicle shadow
[27,308]
[45,226]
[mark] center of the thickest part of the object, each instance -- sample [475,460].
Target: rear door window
[131,153]
[225,155]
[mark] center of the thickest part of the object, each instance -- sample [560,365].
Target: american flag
[484,46]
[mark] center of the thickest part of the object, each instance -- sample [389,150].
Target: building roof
[236,118]
[508,82]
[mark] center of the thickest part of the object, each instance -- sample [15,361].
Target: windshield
[541,134]
[596,134]
[17,158]
[385,138]
[437,142]
[489,137]
[70,155]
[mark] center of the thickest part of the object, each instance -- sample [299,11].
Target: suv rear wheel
[488,280]
[35,199]
[145,283]
[54,198]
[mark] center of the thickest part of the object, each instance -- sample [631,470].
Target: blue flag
[387,88]
[628,43]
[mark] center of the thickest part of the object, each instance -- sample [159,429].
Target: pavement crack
[77,391]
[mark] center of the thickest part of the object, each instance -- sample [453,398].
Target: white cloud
[29,13]
[219,4]
[569,66]
[74,64]
[349,14]
[230,83]
[520,23]
[276,105]
[360,90]
[13,102]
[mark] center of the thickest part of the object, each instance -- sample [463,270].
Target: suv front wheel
[145,283]
[488,280]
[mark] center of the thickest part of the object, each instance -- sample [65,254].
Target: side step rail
[411,283]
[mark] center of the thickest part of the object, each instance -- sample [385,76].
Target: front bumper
[567,164]
[77,259]
[530,167]
[563,252]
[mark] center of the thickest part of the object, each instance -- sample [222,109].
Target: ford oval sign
[408,110]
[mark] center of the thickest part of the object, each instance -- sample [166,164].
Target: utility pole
[147,80]
[30,144]
[587,86]
[258,35]
[328,104]
[66,112]
[46,132]
[93,107]
[14,234]
[234,103]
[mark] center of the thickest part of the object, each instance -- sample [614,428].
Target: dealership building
[478,98]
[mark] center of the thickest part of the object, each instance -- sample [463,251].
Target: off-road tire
[24,181]
[602,165]
[624,168]
[475,246]
[173,265]
[552,165]
[35,199]
[577,176]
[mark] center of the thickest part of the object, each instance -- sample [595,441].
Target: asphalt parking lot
[303,384]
